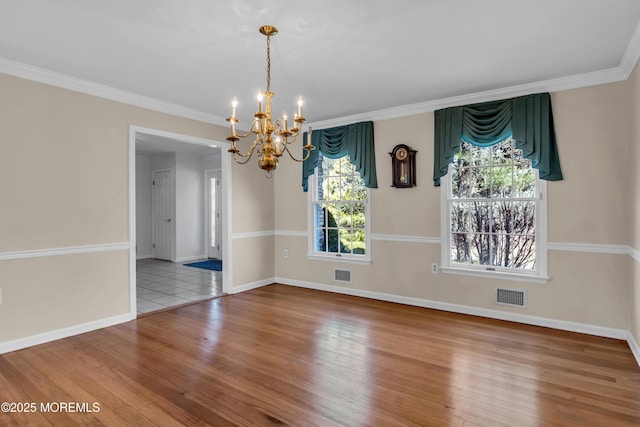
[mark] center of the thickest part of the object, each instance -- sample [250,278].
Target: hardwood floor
[281,355]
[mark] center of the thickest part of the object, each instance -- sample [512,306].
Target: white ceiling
[347,58]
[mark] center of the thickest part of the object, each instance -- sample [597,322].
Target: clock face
[401,154]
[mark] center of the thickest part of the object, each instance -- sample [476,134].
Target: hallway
[162,284]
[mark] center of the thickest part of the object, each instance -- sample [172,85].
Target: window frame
[312,253]
[539,275]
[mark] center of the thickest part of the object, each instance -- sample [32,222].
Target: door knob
[168,220]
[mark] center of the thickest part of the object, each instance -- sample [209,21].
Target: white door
[162,202]
[214,224]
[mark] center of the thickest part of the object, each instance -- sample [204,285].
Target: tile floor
[162,284]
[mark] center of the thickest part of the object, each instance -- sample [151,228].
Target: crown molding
[41,75]
[632,54]
[609,75]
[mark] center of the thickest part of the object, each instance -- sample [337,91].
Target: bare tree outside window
[493,207]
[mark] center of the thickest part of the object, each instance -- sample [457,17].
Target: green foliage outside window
[340,208]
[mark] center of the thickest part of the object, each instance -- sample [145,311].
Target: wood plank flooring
[282,355]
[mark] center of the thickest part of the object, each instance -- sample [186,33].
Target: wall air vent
[342,275]
[511,297]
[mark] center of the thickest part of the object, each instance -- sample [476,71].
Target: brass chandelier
[272,138]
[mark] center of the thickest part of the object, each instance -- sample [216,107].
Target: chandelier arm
[245,135]
[249,153]
[235,159]
[298,160]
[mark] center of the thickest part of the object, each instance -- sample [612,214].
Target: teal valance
[528,119]
[355,139]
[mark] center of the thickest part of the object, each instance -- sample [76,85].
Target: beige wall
[63,183]
[634,204]
[588,207]
[592,127]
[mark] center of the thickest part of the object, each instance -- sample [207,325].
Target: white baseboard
[253,285]
[633,345]
[57,334]
[464,309]
[190,258]
[144,256]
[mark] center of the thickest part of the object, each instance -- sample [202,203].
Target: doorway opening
[171,220]
[213,223]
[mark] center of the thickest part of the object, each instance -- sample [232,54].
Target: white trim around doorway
[227,276]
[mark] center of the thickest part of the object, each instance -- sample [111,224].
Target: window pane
[471,155]
[524,180]
[501,250]
[479,217]
[501,182]
[514,251]
[344,215]
[332,238]
[523,252]
[499,231]
[331,188]
[328,166]
[460,248]
[358,215]
[347,186]
[319,215]
[321,241]
[478,182]
[457,184]
[320,188]
[502,217]
[524,217]
[479,253]
[345,241]
[339,223]
[460,217]
[502,153]
[359,239]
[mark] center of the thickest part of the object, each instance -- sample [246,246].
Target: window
[339,213]
[494,216]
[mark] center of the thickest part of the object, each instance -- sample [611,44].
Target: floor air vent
[511,297]
[342,275]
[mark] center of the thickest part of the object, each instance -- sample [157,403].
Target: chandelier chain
[268,64]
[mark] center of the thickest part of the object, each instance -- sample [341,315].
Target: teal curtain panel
[528,119]
[355,139]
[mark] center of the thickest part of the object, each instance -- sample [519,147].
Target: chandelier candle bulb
[234,104]
[300,107]
[260,101]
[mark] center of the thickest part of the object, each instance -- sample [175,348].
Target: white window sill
[343,259]
[495,274]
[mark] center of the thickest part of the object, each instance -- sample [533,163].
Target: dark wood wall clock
[403,166]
